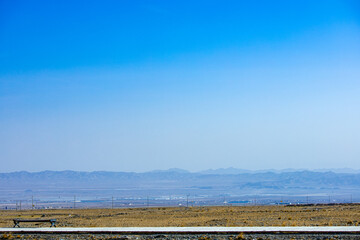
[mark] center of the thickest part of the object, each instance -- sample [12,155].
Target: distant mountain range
[240,171]
[229,170]
[177,181]
[232,170]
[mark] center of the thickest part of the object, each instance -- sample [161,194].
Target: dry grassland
[320,215]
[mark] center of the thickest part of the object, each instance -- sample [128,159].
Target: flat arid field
[227,216]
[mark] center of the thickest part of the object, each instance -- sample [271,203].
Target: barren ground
[316,215]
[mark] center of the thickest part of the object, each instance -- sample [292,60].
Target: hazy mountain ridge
[241,171]
[175,182]
[177,177]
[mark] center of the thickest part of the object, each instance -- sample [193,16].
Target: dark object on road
[18,220]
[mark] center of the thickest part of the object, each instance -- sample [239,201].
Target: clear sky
[144,85]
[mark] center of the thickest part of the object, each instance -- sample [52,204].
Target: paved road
[153,230]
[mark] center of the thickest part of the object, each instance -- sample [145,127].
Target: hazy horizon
[229,170]
[145,85]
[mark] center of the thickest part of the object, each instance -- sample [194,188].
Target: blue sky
[143,85]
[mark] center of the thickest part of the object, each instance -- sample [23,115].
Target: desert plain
[227,216]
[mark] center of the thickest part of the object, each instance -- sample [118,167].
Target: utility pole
[112,202]
[350,198]
[20,205]
[307,199]
[32,202]
[187,200]
[74,200]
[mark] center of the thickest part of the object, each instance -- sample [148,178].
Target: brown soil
[316,215]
